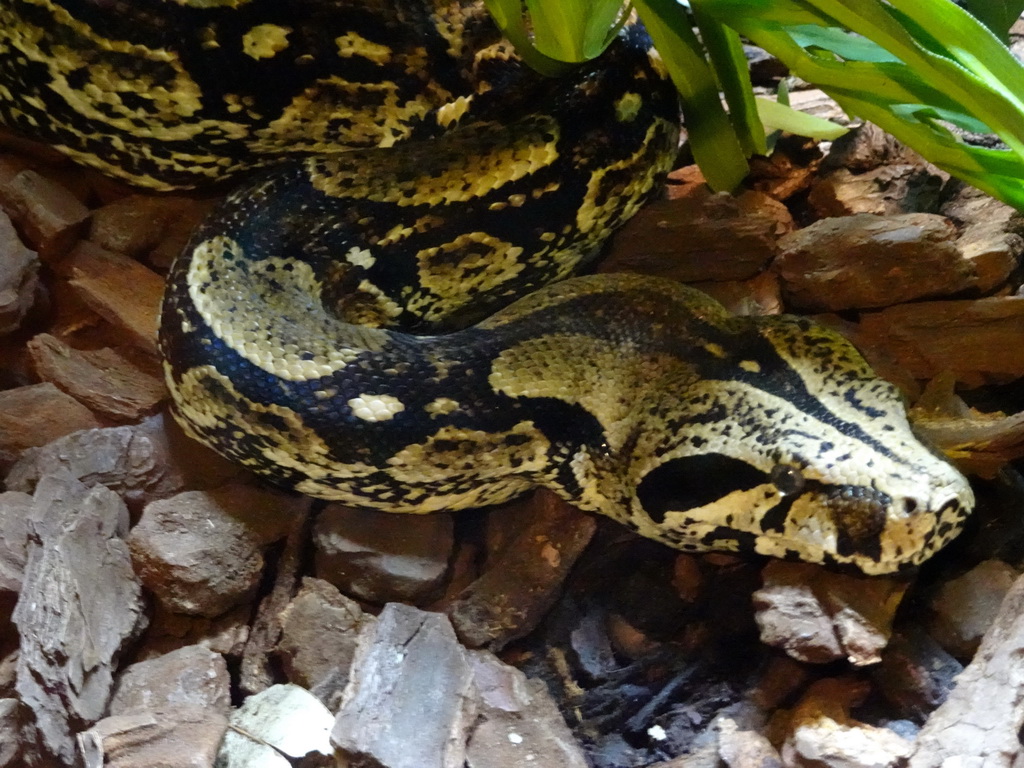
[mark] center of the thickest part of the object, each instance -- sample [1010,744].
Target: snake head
[789,445]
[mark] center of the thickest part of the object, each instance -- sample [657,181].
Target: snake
[396,308]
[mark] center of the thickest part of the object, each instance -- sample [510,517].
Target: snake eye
[787,478]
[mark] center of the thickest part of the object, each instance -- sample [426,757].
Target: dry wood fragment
[704,237]
[119,289]
[870,261]
[51,217]
[35,415]
[122,384]
[976,341]
[521,584]
[378,557]
[19,277]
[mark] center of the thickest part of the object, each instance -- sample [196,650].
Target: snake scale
[383,311]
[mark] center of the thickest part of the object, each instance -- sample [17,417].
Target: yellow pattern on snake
[346,323]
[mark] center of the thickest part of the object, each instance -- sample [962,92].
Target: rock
[870,261]
[192,676]
[36,414]
[51,217]
[819,616]
[137,225]
[19,278]
[11,755]
[226,634]
[284,721]
[989,234]
[521,583]
[175,737]
[123,385]
[79,606]
[201,552]
[867,147]
[320,629]
[965,607]
[378,557]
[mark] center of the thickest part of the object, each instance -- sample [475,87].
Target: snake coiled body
[346,322]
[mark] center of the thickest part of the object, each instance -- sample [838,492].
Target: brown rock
[378,557]
[123,385]
[51,217]
[870,261]
[137,225]
[176,737]
[320,628]
[36,414]
[226,634]
[191,676]
[119,289]
[521,583]
[965,607]
[201,552]
[989,236]
[761,295]
[19,281]
[866,147]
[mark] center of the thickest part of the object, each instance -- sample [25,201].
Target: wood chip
[124,384]
[51,217]
[19,277]
[36,415]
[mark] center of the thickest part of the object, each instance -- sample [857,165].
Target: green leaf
[776,116]
[997,15]
[714,142]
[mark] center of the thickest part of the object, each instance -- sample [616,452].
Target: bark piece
[51,217]
[19,277]
[409,703]
[989,234]
[284,721]
[175,737]
[822,733]
[887,190]
[80,604]
[36,414]
[965,607]
[705,237]
[379,557]
[142,462]
[976,341]
[15,508]
[518,722]
[818,616]
[980,722]
[201,552]
[523,581]
[121,384]
[138,224]
[191,676]
[120,290]
[867,147]
[870,261]
[257,672]
[916,674]
[320,629]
